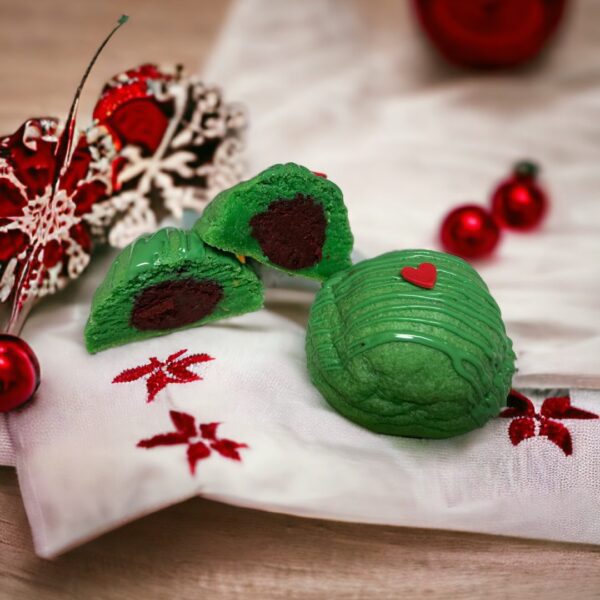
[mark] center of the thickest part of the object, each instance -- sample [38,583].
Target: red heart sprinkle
[319,174]
[424,275]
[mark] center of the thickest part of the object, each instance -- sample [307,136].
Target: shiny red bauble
[489,33]
[519,203]
[19,372]
[130,110]
[469,231]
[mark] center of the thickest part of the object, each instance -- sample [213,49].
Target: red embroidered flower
[200,440]
[46,235]
[161,373]
[528,423]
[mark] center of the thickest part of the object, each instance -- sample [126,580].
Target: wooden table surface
[200,548]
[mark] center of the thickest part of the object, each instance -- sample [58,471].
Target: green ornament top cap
[527,168]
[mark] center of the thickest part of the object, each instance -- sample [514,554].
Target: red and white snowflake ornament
[47,217]
[50,179]
[179,145]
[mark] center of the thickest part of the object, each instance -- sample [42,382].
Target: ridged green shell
[404,360]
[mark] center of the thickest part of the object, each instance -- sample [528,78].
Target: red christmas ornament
[469,231]
[489,33]
[51,181]
[179,145]
[519,203]
[46,227]
[130,110]
[19,372]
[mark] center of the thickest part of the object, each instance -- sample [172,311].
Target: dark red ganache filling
[291,233]
[172,304]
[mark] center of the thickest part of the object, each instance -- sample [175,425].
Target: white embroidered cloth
[406,138]
[81,472]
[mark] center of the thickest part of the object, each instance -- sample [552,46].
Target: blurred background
[44,47]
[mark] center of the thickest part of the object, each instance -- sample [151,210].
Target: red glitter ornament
[19,372]
[179,145]
[469,231]
[46,233]
[519,203]
[489,33]
[51,179]
[129,109]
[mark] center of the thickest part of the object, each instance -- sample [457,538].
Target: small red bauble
[489,33]
[469,231]
[19,372]
[519,202]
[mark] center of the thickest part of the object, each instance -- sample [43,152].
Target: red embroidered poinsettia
[528,423]
[179,144]
[200,440]
[46,208]
[161,373]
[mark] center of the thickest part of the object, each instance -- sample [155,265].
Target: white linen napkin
[406,139]
[82,470]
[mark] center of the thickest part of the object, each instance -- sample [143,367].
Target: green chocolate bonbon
[166,282]
[286,217]
[404,360]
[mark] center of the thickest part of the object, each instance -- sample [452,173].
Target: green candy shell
[403,360]
[166,256]
[225,222]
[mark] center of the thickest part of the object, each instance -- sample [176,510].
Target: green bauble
[286,217]
[401,359]
[166,282]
